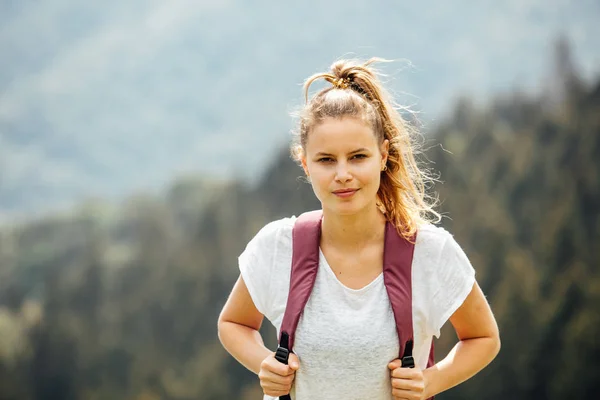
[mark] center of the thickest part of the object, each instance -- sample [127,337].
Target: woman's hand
[276,378]
[407,383]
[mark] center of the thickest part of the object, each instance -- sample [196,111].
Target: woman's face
[343,160]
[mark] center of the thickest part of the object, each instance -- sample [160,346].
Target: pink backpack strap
[397,276]
[306,236]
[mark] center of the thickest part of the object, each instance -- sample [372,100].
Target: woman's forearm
[245,344]
[466,359]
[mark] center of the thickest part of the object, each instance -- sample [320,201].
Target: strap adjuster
[282,355]
[408,362]
[407,359]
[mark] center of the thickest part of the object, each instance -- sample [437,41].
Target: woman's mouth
[345,193]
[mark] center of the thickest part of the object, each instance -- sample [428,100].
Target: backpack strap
[397,276]
[306,236]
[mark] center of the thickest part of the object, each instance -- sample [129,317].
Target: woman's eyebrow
[361,150]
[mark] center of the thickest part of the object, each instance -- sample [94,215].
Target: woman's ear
[304,166]
[385,148]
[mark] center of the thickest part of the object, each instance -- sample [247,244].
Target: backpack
[397,277]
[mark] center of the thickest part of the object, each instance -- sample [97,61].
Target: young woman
[358,154]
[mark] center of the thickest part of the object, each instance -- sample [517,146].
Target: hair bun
[341,83]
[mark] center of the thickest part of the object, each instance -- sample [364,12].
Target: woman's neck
[352,231]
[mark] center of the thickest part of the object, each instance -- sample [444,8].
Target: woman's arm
[239,323]
[238,327]
[479,344]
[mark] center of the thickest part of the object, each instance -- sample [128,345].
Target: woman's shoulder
[436,245]
[278,226]
[432,235]
[262,261]
[277,232]
[435,242]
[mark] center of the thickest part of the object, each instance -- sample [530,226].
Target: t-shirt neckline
[374,282]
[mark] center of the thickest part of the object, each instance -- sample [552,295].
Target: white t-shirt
[345,337]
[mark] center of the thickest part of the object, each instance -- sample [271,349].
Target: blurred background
[143,143]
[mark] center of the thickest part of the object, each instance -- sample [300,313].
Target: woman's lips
[344,193]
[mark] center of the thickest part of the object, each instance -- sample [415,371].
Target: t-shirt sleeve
[256,265]
[453,278]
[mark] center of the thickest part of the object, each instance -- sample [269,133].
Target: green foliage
[522,188]
[123,303]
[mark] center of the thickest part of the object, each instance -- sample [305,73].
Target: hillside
[122,302]
[104,99]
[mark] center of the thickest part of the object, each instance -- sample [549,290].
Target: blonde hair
[357,92]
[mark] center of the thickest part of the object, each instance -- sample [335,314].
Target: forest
[120,301]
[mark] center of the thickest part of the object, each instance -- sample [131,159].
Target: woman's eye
[359,156]
[325,159]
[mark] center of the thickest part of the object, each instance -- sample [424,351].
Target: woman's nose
[342,173]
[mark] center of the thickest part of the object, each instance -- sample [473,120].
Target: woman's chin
[346,208]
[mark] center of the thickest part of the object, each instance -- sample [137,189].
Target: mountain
[101,100]
[122,302]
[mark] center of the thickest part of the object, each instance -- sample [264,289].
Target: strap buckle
[282,355]
[408,362]
[407,359]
